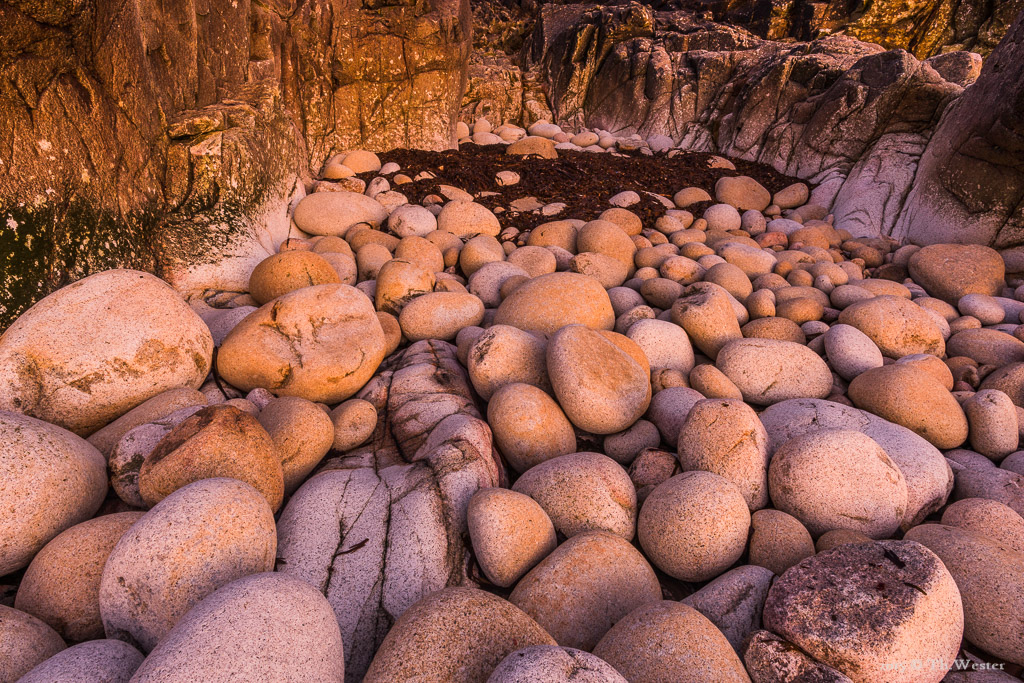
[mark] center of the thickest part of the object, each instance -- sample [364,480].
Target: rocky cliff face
[970,181]
[172,138]
[153,135]
[922,27]
[895,144]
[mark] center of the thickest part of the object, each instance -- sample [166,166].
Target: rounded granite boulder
[62,584]
[24,643]
[600,385]
[552,664]
[50,480]
[90,352]
[454,635]
[263,627]
[881,611]
[96,661]
[191,543]
[550,302]
[321,343]
[586,585]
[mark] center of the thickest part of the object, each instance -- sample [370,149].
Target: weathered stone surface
[894,604]
[771,659]
[922,28]
[928,476]
[196,540]
[394,509]
[174,137]
[50,480]
[456,635]
[94,350]
[322,343]
[969,185]
[265,626]
[97,661]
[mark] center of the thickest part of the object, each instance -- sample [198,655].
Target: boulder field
[455,431]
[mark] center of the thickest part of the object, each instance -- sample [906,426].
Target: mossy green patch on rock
[48,246]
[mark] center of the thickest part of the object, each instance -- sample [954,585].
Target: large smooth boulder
[266,626]
[553,664]
[456,635]
[896,325]
[601,386]
[912,397]
[199,538]
[585,586]
[669,641]
[694,526]
[374,518]
[583,492]
[951,271]
[62,584]
[50,480]
[928,477]
[990,579]
[550,302]
[871,610]
[510,533]
[95,349]
[96,661]
[24,642]
[725,437]
[322,343]
[838,479]
[218,441]
[768,371]
[335,213]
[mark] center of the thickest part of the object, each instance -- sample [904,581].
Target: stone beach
[527,394]
[601,433]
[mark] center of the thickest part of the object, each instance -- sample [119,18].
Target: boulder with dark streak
[382,526]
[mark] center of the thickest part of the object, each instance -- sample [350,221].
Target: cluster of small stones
[482,133]
[743,446]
